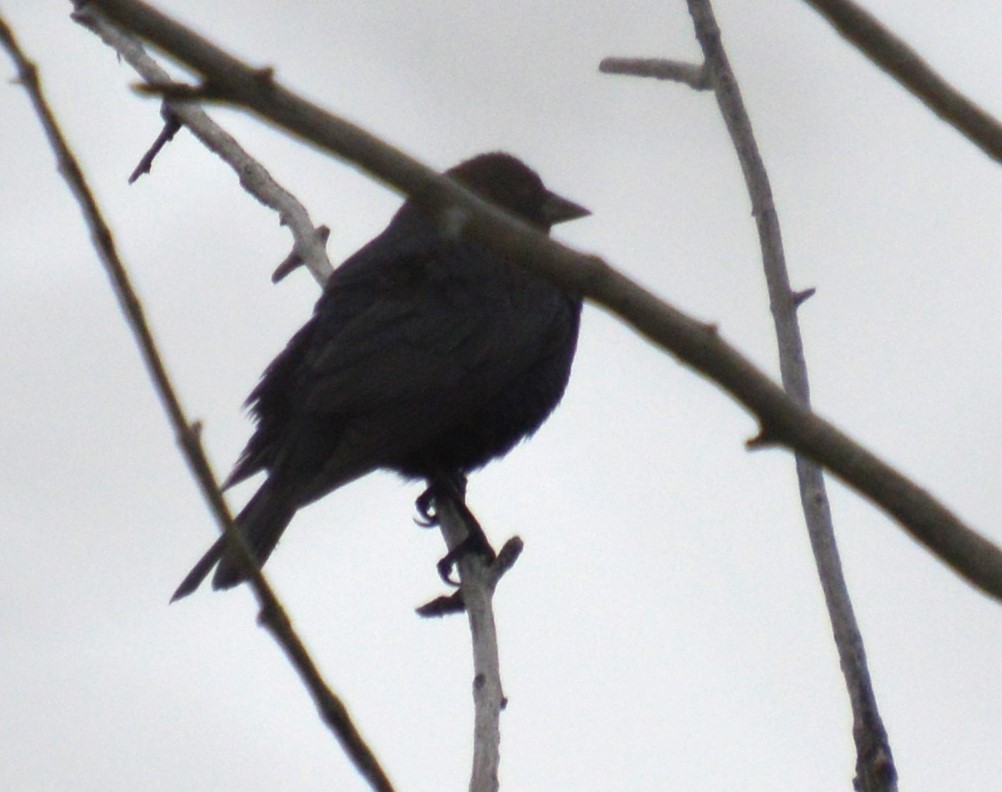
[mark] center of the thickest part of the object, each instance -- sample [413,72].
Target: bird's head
[511,184]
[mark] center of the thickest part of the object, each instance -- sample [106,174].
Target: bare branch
[690,341]
[884,48]
[905,65]
[171,127]
[309,243]
[273,616]
[691,74]
[875,770]
[479,577]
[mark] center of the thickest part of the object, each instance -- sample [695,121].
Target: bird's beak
[560,210]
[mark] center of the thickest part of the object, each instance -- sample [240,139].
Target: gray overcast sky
[664,628]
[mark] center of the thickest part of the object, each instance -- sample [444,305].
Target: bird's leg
[475,542]
[453,487]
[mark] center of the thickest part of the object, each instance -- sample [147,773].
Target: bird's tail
[262,522]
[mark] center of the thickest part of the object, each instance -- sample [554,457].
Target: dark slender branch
[874,766]
[692,74]
[905,65]
[693,343]
[172,124]
[272,614]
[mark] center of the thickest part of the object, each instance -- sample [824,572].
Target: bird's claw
[475,542]
[425,505]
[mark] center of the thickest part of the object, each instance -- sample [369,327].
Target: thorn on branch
[267,615]
[294,260]
[507,557]
[800,297]
[765,438]
[694,75]
[171,126]
[265,77]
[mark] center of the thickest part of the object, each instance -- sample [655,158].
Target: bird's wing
[413,334]
[416,331]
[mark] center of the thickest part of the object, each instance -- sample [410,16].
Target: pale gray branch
[308,241]
[478,578]
[692,74]
[875,770]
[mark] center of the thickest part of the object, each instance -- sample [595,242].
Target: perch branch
[478,578]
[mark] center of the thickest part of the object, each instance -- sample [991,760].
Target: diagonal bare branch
[273,615]
[308,241]
[894,56]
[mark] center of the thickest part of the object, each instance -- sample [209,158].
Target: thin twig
[308,241]
[874,766]
[692,74]
[273,615]
[899,60]
[783,420]
[172,125]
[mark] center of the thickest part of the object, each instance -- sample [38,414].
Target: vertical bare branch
[874,765]
[477,588]
[273,616]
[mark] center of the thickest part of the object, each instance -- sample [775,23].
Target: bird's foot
[445,485]
[452,487]
[475,542]
[454,603]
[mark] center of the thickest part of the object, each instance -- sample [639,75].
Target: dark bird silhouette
[427,354]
